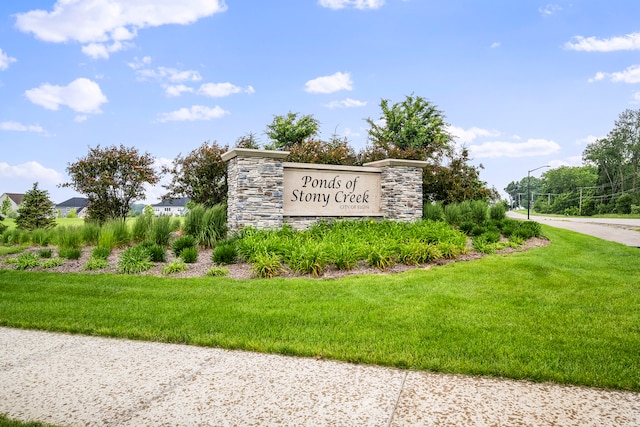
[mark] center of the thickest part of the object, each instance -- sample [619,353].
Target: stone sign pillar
[401,184]
[255,180]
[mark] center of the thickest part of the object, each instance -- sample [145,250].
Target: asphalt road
[621,230]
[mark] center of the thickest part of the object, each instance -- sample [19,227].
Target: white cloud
[219,90]
[139,63]
[106,26]
[587,140]
[636,98]
[630,75]
[31,170]
[550,9]
[329,84]
[357,4]
[196,112]
[594,44]
[19,127]
[346,103]
[465,136]
[169,74]
[5,60]
[81,95]
[177,90]
[102,51]
[495,45]
[80,118]
[530,148]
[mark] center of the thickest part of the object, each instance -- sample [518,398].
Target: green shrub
[52,262]
[224,253]
[477,230]
[68,237]
[449,250]
[40,237]
[27,260]
[101,252]
[528,230]
[467,227]
[516,241]
[16,237]
[481,245]
[217,271]
[453,214]
[183,242]
[479,211]
[431,253]
[189,255]
[433,212]
[635,209]
[161,229]
[623,204]
[412,253]
[69,253]
[135,259]
[174,267]
[90,233]
[45,253]
[491,236]
[497,212]
[206,225]
[114,233]
[344,256]
[96,263]
[380,257]
[157,253]
[266,264]
[508,226]
[309,259]
[141,227]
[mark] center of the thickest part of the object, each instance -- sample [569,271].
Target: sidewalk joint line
[395,406]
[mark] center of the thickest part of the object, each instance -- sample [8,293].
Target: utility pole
[529,186]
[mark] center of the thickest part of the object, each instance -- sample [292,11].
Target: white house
[171,207]
[78,204]
[15,199]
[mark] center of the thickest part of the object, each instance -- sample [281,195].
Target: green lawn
[568,313]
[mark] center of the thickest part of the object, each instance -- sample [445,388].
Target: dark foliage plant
[36,210]
[183,242]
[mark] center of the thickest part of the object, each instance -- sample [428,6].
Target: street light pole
[529,186]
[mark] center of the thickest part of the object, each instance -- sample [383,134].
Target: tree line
[606,183]
[113,178]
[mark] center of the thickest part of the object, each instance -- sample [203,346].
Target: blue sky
[522,83]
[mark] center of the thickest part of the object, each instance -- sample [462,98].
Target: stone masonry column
[401,183]
[256,183]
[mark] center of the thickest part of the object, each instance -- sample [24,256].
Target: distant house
[171,207]
[15,199]
[77,203]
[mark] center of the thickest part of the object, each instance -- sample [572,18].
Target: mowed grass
[568,313]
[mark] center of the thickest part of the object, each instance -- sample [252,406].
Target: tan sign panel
[326,192]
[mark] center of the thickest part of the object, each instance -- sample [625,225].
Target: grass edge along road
[567,313]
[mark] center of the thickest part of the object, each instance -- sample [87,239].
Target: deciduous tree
[201,175]
[285,131]
[112,178]
[414,126]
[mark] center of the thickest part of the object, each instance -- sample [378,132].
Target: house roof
[15,197]
[178,202]
[74,202]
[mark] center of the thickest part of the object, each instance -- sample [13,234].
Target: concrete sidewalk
[86,381]
[623,231]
